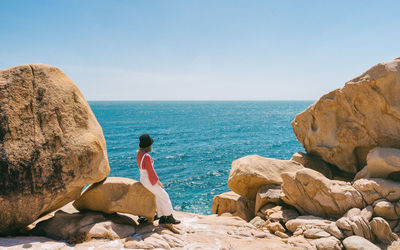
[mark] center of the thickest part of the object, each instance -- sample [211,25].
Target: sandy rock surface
[195,232]
[51,144]
[118,194]
[251,172]
[344,125]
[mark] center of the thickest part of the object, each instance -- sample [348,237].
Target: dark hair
[145,141]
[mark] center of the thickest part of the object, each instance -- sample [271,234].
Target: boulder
[312,193]
[308,222]
[381,163]
[385,209]
[251,172]
[356,222]
[118,194]
[51,144]
[344,125]
[358,243]
[275,227]
[382,230]
[234,204]
[375,189]
[314,162]
[268,194]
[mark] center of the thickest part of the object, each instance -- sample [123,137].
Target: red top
[147,165]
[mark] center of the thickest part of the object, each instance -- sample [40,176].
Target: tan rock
[275,226]
[385,209]
[268,194]
[281,234]
[375,189]
[258,222]
[382,230]
[251,172]
[328,243]
[315,233]
[313,162]
[311,192]
[356,222]
[65,226]
[232,203]
[278,213]
[51,144]
[108,230]
[343,125]
[358,243]
[381,162]
[118,194]
[307,222]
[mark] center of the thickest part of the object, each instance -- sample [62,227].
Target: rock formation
[251,172]
[117,194]
[381,163]
[312,193]
[344,125]
[51,144]
[234,204]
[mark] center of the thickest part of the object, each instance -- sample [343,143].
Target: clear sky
[201,50]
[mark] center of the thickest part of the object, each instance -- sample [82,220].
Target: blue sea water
[196,142]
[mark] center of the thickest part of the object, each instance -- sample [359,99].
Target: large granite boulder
[251,172]
[234,204]
[51,144]
[343,125]
[118,194]
[312,193]
[381,162]
[375,189]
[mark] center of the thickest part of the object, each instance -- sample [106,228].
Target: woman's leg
[163,203]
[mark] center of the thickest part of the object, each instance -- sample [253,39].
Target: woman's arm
[148,165]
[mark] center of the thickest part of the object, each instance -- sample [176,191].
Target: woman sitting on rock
[149,179]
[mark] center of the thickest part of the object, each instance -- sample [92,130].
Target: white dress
[163,203]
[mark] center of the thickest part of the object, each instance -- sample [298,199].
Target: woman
[149,179]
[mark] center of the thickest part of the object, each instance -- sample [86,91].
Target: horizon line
[289,100]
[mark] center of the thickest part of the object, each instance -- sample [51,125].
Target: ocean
[195,142]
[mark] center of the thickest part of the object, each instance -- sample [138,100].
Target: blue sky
[201,50]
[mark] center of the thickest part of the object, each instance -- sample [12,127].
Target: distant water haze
[196,142]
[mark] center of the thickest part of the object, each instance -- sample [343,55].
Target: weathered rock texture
[232,203]
[312,193]
[313,162]
[118,194]
[343,125]
[51,144]
[251,172]
[381,162]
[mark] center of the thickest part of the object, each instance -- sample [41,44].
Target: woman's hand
[159,183]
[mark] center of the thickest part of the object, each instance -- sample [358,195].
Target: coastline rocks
[358,243]
[311,192]
[276,213]
[382,230]
[118,194]
[268,194]
[381,163]
[234,204]
[251,172]
[51,144]
[343,125]
[375,189]
[303,223]
[356,222]
[313,162]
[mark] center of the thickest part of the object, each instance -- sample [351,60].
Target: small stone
[358,243]
[281,234]
[275,226]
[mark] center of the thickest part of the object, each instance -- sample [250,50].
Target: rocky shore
[344,193]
